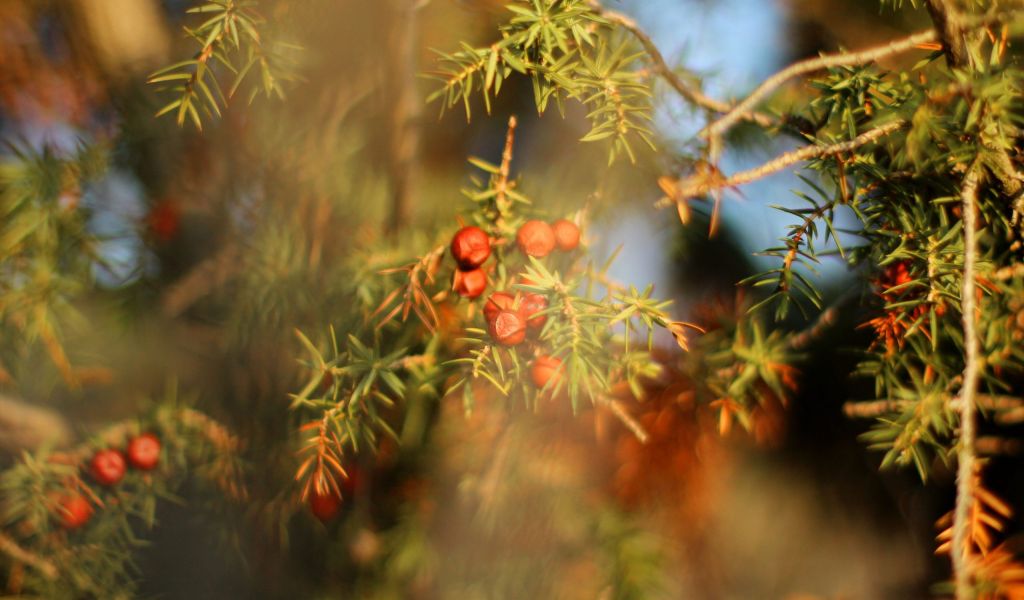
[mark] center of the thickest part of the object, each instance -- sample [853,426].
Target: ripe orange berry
[546,370]
[531,305]
[324,506]
[107,467]
[497,302]
[144,451]
[536,238]
[469,284]
[74,511]
[508,328]
[470,247]
[567,234]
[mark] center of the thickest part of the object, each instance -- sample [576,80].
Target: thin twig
[1012,416]
[827,61]
[1003,406]
[992,445]
[627,419]
[11,548]
[1009,272]
[873,408]
[405,118]
[702,184]
[823,322]
[202,280]
[661,68]
[501,186]
[966,454]
[491,480]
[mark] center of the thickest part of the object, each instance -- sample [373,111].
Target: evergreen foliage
[912,178]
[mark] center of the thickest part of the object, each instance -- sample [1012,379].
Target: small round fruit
[164,220]
[536,238]
[497,302]
[469,284]
[531,305]
[74,511]
[567,235]
[545,371]
[508,328]
[107,467]
[144,451]
[324,506]
[470,247]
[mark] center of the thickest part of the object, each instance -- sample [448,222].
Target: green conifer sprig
[601,332]
[47,254]
[233,36]
[97,559]
[569,52]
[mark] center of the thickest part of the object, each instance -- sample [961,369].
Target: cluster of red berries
[108,467]
[537,238]
[512,317]
[471,247]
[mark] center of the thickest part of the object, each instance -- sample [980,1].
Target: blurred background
[215,245]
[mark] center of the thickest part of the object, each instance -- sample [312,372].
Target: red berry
[469,284]
[567,235]
[546,370]
[497,302]
[324,506]
[470,247]
[164,219]
[531,305]
[508,328]
[107,467]
[144,451]
[536,238]
[74,511]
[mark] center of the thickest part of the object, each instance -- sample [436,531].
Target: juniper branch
[825,320]
[702,184]
[623,416]
[501,186]
[993,445]
[11,548]
[966,454]
[1005,406]
[661,68]
[809,66]
[947,25]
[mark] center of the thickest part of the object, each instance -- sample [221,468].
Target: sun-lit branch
[966,456]
[661,68]
[1003,406]
[827,61]
[21,555]
[623,416]
[704,183]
